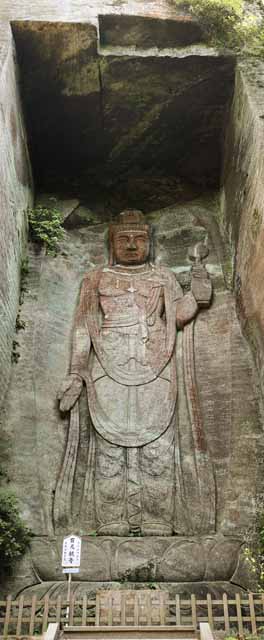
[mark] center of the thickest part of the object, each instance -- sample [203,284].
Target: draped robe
[124,348]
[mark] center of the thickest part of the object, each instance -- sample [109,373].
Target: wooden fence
[242,614]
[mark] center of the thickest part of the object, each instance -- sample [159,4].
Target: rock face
[126,112]
[228,402]
[15,196]
[242,201]
[123,111]
[125,351]
[145,32]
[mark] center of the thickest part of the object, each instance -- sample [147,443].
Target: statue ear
[152,244]
[111,248]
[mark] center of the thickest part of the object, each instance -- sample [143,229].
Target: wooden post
[71,609]
[20,614]
[252,614]
[123,608]
[194,612]
[110,610]
[7,614]
[45,614]
[210,610]
[178,610]
[97,610]
[84,610]
[32,615]
[226,613]
[148,608]
[136,609]
[68,600]
[163,605]
[239,615]
[58,610]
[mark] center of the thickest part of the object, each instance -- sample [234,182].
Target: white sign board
[71,570]
[71,551]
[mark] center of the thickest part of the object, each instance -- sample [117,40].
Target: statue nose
[132,246]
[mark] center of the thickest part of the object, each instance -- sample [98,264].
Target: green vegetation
[14,535]
[24,269]
[45,227]
[236,636]
[20,324]
[15,355]
[248,636]
[228,23]
[254,550]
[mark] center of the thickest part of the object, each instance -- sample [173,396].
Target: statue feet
[114,529]
[123,529]
[156,529]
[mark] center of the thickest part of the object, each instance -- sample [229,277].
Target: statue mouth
[133,257]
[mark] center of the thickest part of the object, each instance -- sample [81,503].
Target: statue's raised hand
[70,391]
[201,285]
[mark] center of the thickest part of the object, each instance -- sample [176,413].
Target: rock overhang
[102,112]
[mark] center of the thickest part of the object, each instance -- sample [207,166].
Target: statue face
[131,247]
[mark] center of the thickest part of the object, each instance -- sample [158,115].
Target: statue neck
[129,270]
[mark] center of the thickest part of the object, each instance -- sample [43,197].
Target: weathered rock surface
[15,196]
[144,32]
[174,559]
[109,125]
[82,10]
[228,400]
[243,204]
[141,142]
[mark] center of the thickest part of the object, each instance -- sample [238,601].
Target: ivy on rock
[14,534]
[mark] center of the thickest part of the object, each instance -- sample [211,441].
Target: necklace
[136,270]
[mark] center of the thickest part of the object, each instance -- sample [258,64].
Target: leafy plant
[225,23]
[254,549]
[45,227]
[20,324]
[14,535]
[15,355]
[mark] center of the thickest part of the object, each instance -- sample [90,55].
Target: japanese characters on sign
[71,551]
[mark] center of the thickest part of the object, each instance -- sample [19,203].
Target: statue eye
[122,239]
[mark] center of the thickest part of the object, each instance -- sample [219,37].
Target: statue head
[129,239]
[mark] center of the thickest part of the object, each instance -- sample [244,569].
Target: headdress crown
[130,220]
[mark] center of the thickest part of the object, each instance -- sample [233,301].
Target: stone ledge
[163,559]
[172,52]
[146,32]
[90,589]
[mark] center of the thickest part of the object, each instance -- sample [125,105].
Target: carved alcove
[116,125]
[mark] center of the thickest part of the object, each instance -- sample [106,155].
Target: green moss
[226,23]
[136,134]
[228,273]
[15,355]
[78,81]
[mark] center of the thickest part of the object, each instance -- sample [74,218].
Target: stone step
[130,633]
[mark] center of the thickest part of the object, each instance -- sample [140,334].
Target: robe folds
[143,474]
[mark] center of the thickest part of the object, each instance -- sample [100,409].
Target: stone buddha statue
[125,353]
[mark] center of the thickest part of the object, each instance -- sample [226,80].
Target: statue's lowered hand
[69,392]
